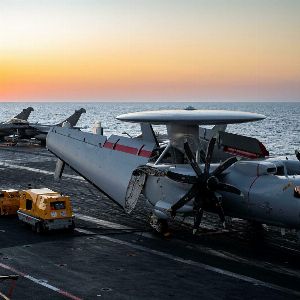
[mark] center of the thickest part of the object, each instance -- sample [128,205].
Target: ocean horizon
[280,131]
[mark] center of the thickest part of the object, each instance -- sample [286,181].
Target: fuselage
[267,189]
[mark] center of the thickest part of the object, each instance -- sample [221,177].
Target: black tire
[72,226]
[39,228]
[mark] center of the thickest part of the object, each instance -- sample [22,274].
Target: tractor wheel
[72,226]
[39,228]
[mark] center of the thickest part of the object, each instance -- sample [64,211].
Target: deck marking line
[80,230]
[101,222]
[41,282]
[12,269]
[144,234]
[203,266]
[14,166]
[179,259]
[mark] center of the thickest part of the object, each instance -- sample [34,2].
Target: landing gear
[256,232]
[160,225]
[256,226]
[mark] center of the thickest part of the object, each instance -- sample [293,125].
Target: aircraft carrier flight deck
[112,255]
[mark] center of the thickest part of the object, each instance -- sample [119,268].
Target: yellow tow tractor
[45,210]
[9,202]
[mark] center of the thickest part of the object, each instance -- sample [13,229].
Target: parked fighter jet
[185,177]
[15,124]
[39,131]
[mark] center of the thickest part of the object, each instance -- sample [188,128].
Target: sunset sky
[149,50]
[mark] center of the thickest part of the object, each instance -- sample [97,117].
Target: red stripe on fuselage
[241,152]
[108,145]
[127,149]
[145,153]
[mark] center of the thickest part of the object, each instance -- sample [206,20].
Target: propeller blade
[192,159]
[185,199]
[197,219]
[181,178]
[202,156]
[225,187]
[224,165]
[208,155]
[219,209]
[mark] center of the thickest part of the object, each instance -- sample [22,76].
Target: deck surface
[113,255]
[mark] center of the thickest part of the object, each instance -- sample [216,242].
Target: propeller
[205,185]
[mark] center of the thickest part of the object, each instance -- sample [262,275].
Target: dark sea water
[280,131]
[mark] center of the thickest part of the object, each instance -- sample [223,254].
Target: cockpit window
[292,167]
[271,170]
[292,171]
[57,205]
[280,171]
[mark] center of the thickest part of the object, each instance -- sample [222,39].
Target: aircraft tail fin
[148,133]
[242,145]
[24,114]
[73,119]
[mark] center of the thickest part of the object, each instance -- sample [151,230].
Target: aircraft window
[28,204]
[292,167]
[57,205]
[280,171]
[293,172]
[271,170]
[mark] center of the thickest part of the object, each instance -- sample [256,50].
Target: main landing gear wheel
[160,226]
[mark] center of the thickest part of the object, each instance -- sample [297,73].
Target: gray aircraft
[15,124]
[39,131]
[185,176]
